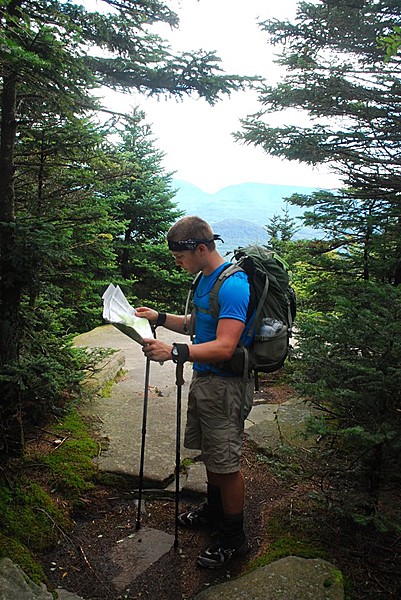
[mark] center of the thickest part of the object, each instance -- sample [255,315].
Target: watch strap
[161,319]
[182,353]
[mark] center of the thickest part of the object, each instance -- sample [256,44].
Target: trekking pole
[179,374]
[142,460]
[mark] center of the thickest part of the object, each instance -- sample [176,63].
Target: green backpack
[272,308]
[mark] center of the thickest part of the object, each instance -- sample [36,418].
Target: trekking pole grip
[179,374]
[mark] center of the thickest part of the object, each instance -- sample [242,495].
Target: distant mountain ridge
[237,232]
[242,210]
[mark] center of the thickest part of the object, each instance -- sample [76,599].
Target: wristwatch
[180,353]
[175,354]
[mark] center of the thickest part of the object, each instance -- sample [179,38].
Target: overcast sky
[195,137]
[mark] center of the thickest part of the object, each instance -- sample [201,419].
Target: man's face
[188,260]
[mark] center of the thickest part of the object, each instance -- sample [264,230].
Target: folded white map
[119,312]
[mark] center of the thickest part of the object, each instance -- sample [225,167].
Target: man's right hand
[147,313]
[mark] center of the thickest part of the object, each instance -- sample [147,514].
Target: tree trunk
[11,438]
[397,273]
[397,270]
[375,473]
[125,266]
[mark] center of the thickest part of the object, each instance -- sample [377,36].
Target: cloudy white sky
[195,137]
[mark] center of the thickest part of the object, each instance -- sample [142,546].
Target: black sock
[232,532]
[214,502]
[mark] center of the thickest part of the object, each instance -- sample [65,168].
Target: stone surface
[260,414]
[274,427]
[136,553]
[195,481]
[15,585]
[120,416]
[119,419]
[66,595]
[106,370]
[290,578]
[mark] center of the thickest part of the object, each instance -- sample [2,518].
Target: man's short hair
[191,228]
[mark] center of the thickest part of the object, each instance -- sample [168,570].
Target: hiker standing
[217,400]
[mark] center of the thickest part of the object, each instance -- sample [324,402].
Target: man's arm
[222,348]
[172,322]
[228,334]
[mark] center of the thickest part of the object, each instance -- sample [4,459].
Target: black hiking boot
[218,555]
[231,544]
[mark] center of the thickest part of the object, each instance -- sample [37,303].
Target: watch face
[175,350]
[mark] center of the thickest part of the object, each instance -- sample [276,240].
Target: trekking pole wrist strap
[180,353]
[161,319]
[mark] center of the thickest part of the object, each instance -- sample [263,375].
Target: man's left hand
[156,350]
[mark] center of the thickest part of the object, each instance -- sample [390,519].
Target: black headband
[190,244]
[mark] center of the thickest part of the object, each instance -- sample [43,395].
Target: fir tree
[53,56]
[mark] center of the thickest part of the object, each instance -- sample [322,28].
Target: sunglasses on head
[190,244]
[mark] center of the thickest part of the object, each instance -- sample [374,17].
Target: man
[215,417]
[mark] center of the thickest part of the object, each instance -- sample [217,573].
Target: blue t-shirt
[233,301]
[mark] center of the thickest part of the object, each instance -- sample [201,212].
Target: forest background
[85,201]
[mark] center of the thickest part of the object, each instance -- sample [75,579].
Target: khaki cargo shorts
[213,420]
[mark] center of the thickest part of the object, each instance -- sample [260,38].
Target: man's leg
[218,408]
[231,486]
[210,513]
[232,541]
[225,497]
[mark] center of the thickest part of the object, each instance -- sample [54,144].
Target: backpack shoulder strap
[191,329]
[214,293]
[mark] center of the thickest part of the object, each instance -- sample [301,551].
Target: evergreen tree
[281,228]
[142,199]
[53,55]
[364,231]
[352,372]
[348,339]
[64,221]
[142,195]
[337,75]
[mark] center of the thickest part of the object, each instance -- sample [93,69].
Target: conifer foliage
[57,226]
[340,77]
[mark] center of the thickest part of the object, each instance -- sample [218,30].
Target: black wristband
[161,319]
[182,353]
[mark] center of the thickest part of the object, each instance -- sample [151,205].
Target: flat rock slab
[105,371]
[120,423]
[119,417]
[135,554]
[277,426]
[290,578]
[66,595]
[15,584]
[261,413]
